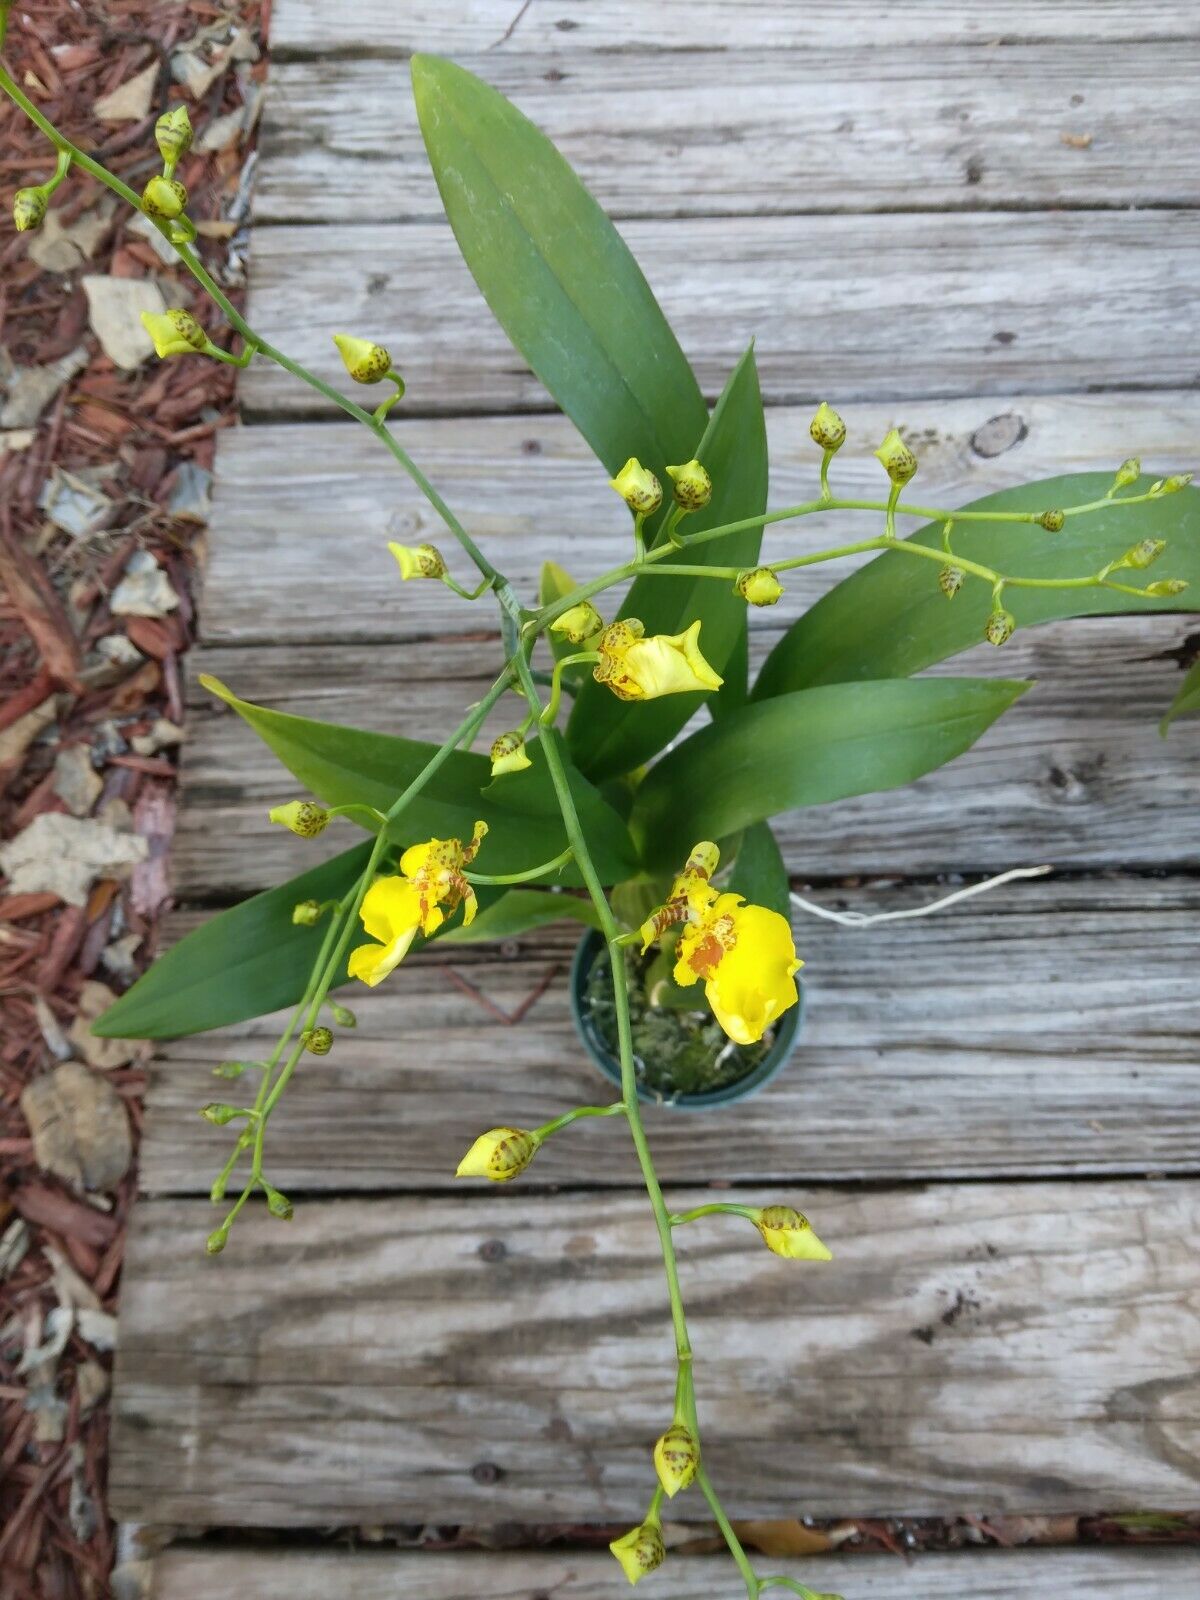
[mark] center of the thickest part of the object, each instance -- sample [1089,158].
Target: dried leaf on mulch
[79,1125]
[65,855]
[115,307]
[144,591]
[106,1054]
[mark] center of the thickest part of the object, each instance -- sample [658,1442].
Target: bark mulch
[104,473]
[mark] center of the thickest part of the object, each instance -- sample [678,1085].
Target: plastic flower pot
[590,949]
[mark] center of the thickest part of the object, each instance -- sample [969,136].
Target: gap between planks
[768,132]
[1046,1029]
[196,1573]
[1015,1347]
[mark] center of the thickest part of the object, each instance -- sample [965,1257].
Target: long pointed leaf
[557,275]
[807,748]
[889,619]
[342,766]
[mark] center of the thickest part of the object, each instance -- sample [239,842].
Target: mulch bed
[110,465]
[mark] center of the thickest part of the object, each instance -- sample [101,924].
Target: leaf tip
[215,686]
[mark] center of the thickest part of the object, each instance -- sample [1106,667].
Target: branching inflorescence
[742,953]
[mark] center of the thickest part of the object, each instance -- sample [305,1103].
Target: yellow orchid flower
[693,486]
[500,1154]
[744,953]
[175,332]
[640,1550]
[638,487]
[637,668]
[789,1234]
[396,907]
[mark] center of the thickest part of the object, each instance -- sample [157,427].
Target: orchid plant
[610,799]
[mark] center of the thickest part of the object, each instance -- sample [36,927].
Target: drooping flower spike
[395,908]
[744,953]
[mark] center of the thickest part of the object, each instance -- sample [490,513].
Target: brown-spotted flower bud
[788,1233]
[364,361]
[175,332]
[951,580]
[581,622]
[500,1154]
[164,198]
[1128,472]
[640,1550]
[301,817]
[341,1014]
[317,1041]
[827,429]
[899,462]
[1143,554]
[1166,588]
[29,208]
[419,560]
[277,1204]
[219,1114]
[1171,485]
[760,587]
[173,134]
[306,914]
[1000,626]
[508,755]
[676,1457]
[216,1241]
[1053,521]
[638,487]
[693,486]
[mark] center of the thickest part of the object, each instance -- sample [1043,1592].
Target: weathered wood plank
[302,512]
[1069,1574]
[1074,774]
[849,307]
[1048,1028]
[1019,1347]
[710,27]
[810,130]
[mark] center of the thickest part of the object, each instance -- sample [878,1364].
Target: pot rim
[787,1034]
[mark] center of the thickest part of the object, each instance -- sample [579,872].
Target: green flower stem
[714,1208]
[568,1117]
[481,587]
[611,933]
[744,1565]
[549,714]
[560,860]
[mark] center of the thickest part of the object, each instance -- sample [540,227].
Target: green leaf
[758,872]
[241,963]
[807,748]
[1185,702]
[520,910]
[889,619]
[347,765]
[557,275]
[606,735]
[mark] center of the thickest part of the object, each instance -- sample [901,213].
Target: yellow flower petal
[788,1233]
[638,487]
[391,907]
[640,1550]
[753,983]
[371,963]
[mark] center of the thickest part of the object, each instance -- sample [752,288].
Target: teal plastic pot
[590,949]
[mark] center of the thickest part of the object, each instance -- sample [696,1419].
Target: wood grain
[1047,1028]
[306,1574]
[842,307]
[712,27]
[1024,1347]
[809,130]
[302,512]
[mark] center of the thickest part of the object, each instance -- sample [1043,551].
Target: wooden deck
[979,222]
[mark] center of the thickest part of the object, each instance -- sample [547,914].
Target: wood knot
[999,434]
